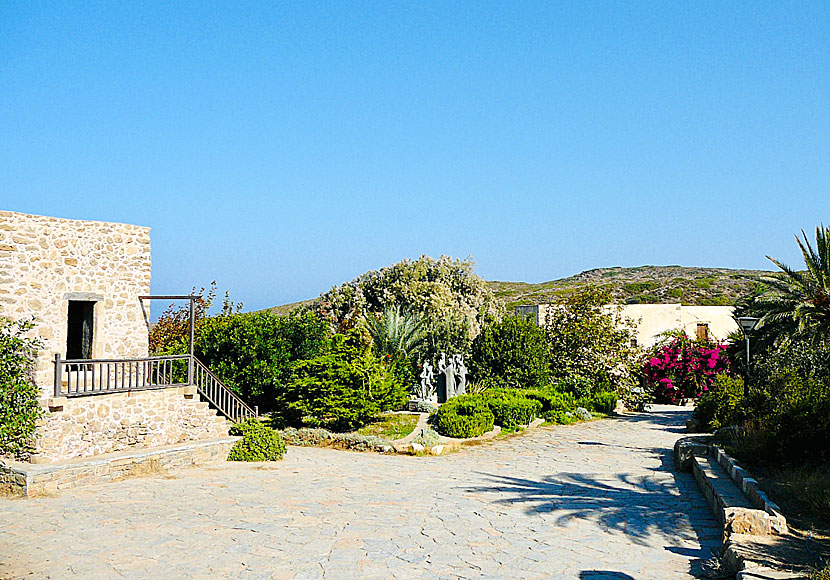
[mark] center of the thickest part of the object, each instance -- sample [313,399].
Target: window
[702,331]
[80,323]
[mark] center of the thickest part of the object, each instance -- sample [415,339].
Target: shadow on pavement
[641,506]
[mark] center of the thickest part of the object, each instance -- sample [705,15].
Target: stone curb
[737,502]
[405,446]
[31,480]
[688,449]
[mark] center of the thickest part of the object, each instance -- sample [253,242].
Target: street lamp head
[747,323]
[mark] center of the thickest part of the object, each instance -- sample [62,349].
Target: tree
[590,340]
[446,292]
[344,387]
[803,297]
[513,351]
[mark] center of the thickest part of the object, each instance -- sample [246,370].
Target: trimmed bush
[464,416]
[259,443]
[512,409]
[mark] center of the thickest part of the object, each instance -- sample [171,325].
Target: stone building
[652,320]
[82,282]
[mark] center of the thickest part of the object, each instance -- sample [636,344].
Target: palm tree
[397,332]
[799,301]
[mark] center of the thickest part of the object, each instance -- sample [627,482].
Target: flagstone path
[595,500]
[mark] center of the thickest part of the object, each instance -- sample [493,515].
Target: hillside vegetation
[641,285]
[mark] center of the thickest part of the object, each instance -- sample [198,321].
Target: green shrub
[513,350]
[579,387]
[719,405]
[512,409]
[555,404]
[464,416]
[344,388]
[259,443]
[19,408]
[602,402]
[800,420]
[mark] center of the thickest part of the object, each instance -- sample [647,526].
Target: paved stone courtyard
[595,500]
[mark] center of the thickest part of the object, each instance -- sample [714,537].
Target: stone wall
[93,425]
[46,261]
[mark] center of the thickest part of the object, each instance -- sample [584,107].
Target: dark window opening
[80,322]
[633,342]
[702,331]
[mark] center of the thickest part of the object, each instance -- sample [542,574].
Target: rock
[437,450]
[417,448]
[583,414]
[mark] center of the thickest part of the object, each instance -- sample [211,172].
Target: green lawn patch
[390,427]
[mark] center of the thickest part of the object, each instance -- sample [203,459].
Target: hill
[640,285]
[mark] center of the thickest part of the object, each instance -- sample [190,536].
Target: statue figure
[447,368]
[461,374]
[427,388]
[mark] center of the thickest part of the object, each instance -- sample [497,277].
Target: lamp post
[747,324]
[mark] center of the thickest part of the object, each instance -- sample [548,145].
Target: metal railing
[218,395]
[83,377]
[75,378]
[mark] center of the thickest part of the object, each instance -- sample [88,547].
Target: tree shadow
[604,575]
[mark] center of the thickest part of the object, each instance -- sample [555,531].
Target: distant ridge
[639,285]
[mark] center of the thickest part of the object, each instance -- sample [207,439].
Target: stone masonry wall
[87,426]
[46,261]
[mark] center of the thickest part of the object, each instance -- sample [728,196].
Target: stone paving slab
[588,501]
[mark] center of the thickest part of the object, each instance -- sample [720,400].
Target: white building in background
[652,320]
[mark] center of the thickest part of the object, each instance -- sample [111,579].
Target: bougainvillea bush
[681,368]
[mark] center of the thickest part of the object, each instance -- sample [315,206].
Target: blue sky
[281,148]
